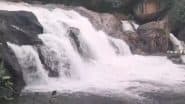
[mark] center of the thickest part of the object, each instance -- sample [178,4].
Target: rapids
[108,64]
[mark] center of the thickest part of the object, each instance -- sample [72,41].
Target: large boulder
[17,27]
[154,37]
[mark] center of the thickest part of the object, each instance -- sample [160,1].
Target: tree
[177,15]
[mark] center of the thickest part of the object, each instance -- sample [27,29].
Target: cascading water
[87,60]
[178,46]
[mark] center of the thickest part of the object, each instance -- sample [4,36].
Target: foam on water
[113,68]
[129,25]
[178,45]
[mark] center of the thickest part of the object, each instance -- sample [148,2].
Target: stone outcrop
[20,28]
[154,38]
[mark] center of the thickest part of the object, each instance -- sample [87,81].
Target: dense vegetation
[177,14]
[6,85]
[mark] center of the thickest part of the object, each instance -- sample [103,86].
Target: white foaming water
[129,25]
[28,58]
[179,45]
[105,70]
[121,47]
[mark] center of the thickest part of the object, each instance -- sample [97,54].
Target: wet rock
[133,40]
[19,27]
[74,37]
[49,60]
[79,44]
[154,38]
[13,67]
[22,28]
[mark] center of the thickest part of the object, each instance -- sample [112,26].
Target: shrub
[6,85]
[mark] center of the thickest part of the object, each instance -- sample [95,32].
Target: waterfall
[178,46]
[84,58]
[129,26]
[33,72]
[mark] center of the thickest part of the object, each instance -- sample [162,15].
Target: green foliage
[6,85]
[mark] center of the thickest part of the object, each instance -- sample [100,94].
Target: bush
[6,85]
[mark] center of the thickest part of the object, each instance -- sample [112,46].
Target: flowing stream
[88,60]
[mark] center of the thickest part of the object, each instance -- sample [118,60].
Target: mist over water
[98,63]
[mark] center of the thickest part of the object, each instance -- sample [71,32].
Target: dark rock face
[11,63]
[49,61]
[20,28]
[133,40]
[154,38]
